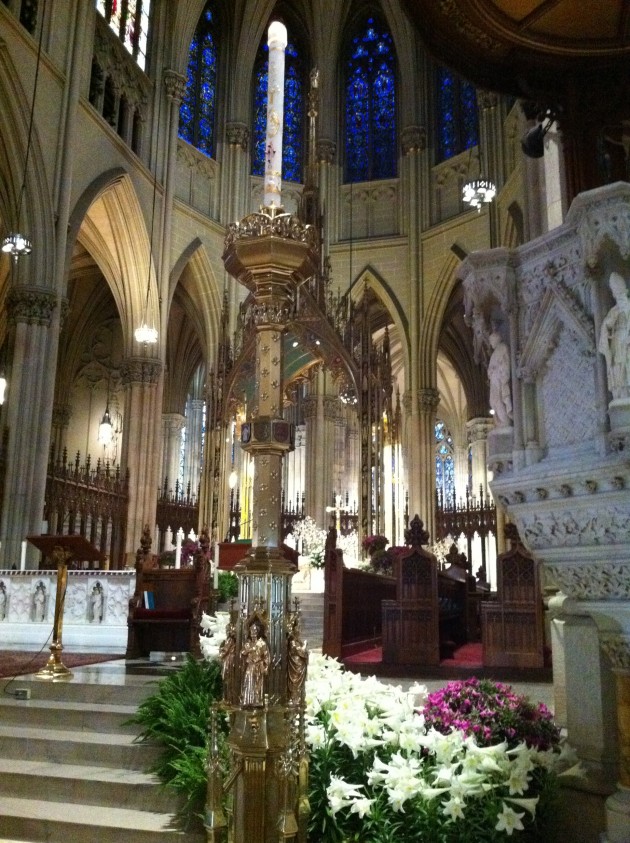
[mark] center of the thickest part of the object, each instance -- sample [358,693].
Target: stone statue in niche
[96,603]
[297,660]
[227,656]
[614,339]
[39,602]
[499,377]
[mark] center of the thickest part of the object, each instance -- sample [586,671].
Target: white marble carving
[499,377]
[568,418]
[591,581]
[597,526]
[614,339]
[617,648]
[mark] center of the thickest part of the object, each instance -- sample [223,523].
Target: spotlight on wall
[533,141]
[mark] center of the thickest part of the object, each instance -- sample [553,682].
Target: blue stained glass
[197,111]
[449,477]
[293,126]
[458,125]
[439,476]
[370,107]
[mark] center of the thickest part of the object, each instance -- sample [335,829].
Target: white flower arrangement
[378,772]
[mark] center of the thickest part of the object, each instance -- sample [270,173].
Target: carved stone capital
[31,305]
[407,401]
[413,139]
[332,408]
[140,370]
[487,99]
[592,580]
[174,85]
[61,415]
[617,648]
[428,399]
[237,134]
[309,407]
[173,423]
[326,151]
[479,428]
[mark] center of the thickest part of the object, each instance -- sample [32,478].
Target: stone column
[617,648]
[172,426]
[30,313]
[235,193]
[429,398]
[478,430]
[60,421]
[313,486]
[192,449]
[141,452]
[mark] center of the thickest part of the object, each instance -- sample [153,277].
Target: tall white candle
[23,557]
[178,549]
[277,42]
[215,567]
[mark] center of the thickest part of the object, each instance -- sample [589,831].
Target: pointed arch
[369,279]
[112,230]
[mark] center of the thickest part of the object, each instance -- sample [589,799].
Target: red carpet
[20,662]
[470,655]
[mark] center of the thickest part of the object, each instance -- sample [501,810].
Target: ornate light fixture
[17,245]
[478,192]
[105,428]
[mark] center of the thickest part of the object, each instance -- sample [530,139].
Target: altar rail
[95,612]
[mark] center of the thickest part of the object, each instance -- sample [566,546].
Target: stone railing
[95,613]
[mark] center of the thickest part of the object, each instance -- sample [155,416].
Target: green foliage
[227,586]
[176,717]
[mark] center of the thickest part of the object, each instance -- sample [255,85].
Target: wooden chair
[179,596]
[411,622]
[513,625]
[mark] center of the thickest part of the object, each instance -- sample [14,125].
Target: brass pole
[55,670]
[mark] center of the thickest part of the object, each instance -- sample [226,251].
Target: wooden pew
[180,596]
[352,605]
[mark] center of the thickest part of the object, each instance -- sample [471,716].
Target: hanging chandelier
[105,428]
[17,245]
[478,192]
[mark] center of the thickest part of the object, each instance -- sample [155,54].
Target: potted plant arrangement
[473,762]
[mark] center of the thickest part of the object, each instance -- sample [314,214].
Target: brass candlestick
[264,658]
[55,670]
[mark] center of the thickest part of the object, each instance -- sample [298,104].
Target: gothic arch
[194,273]
[112,230]
[433,320]
[369,279]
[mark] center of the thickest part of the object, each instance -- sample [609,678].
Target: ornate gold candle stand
[55,670]
[264,657]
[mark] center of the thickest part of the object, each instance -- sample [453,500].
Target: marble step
[65,746]
[39,821]
[100,692]
[68,715]
[87,785]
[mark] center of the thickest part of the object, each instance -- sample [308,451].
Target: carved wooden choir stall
[166,608]
[513,626]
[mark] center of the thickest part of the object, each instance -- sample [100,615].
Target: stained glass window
[457,120]
[370,103]
[197,111]
[293,126]
[444,463]
[130,22]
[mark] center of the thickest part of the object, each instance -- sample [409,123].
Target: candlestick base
[54,670]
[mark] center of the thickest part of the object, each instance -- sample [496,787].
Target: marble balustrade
[95,612]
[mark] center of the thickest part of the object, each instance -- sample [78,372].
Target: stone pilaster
[428,400]
[172,426]
[30,311]
[192,449]
[142,382]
